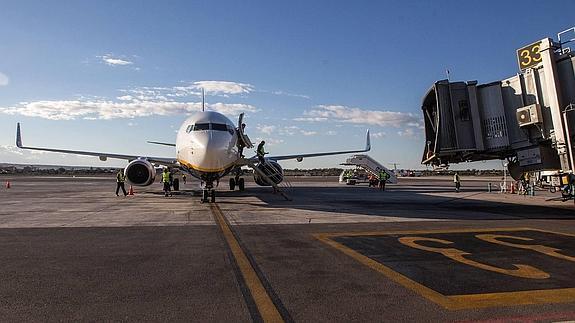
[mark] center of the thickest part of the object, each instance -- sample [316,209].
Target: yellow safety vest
[120,177]
[166,177]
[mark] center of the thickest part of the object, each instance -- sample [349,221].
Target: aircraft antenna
[203,101]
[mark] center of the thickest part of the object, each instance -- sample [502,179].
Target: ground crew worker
[261,152]
[383,176]
[457,182]
[571,183]
[120,178]
[184,178]
[241,142]
[166,181]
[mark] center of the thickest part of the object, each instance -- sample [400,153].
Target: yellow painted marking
[453,302]
[549,251]
[265,305]
[523,271]
[201,169]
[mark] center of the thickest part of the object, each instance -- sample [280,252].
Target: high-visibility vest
[120,178]
[261,150]
[382,176]
[166,177]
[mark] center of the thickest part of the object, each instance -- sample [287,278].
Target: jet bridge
[371,166]
[528,119]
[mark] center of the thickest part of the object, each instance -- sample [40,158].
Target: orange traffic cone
[131,191]
[8,185]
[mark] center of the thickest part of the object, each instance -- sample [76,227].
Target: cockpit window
[219,126]
[201,126]
[210,126]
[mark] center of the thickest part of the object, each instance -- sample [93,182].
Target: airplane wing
[161,143]
[300,157]
[101,155]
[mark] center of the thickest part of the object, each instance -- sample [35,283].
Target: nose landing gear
[208,194]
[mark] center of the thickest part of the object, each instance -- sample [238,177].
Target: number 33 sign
[529,56]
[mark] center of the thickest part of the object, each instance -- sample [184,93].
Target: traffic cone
[131,191]
[8,185]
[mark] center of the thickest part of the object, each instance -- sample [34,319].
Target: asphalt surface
[71,250]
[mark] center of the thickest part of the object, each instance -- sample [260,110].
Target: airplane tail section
[367,142]
[18,136]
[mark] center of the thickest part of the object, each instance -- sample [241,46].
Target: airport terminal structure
[528,119]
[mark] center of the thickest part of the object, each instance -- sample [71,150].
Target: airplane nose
[212,152]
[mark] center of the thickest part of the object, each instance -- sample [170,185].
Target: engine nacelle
[140,172]
[273,170]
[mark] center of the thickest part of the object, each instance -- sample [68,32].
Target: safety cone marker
[131,191]
[8,185]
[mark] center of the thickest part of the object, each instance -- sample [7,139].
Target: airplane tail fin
[203,100]
[367,142]
[18,136]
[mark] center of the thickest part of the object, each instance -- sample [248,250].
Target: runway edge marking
[455,302]
[264,303]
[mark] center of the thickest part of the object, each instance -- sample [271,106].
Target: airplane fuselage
[206,145]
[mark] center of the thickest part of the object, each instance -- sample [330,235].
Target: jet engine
[273,170]
[140,172]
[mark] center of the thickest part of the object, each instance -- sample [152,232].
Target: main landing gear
[237,180]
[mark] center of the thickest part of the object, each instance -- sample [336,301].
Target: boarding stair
[268,178]
[371,166]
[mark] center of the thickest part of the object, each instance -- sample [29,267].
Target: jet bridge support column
[553,91]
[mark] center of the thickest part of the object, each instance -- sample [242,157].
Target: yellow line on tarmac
[264,303]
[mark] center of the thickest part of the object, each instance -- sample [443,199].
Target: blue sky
[310,75]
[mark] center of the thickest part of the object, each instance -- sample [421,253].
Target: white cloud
[105,109]
[4,80]
[269,141]
[108,59]
[266,129]
[222,87]
[212,88]
[380,134]
[283,93]
[331,133]
[310,119]
[360,116]
[284,131]
[412,133]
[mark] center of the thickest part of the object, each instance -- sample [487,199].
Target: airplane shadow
[402,201]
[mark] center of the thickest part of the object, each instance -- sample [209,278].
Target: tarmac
[70,249]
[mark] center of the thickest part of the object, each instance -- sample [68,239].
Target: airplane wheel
[204,196]
[241,184]
[232,184]
[213,196]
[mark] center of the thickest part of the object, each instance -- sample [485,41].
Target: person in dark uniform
[184,178]
[457,181]
[120,179]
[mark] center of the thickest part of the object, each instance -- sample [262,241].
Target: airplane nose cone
[214,152]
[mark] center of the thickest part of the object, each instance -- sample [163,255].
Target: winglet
[18,136]
[367,142]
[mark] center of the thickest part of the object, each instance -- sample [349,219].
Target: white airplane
[208,147]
